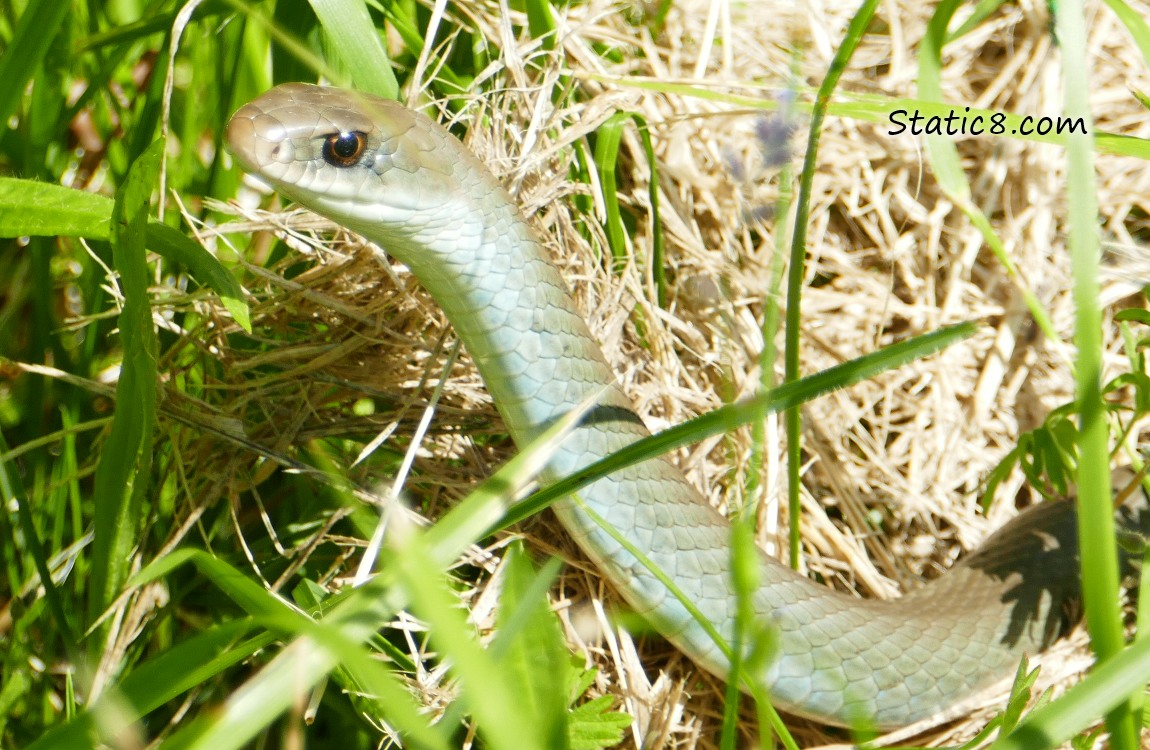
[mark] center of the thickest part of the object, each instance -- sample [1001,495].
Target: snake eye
[344,149]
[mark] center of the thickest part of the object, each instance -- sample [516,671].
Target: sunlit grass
[176,572]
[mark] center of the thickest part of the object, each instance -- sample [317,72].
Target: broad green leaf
[30,208]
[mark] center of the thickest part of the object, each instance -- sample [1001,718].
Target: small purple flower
[774,132]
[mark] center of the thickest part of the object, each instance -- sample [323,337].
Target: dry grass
[890,257]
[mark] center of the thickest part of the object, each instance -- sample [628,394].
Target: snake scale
[406,184]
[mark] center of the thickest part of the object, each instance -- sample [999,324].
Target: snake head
[367,163]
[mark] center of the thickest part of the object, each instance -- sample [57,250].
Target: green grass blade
[529,647]
[205,267]
[1135,24]
[732,416]
[493,703]
[486,506]
[541,22]
[31,39]
[159,680]
[796,271]
[405,24]
[11,491]
[246,593]
[609,137]
[1096,534]
[983,9]
[125,465]
[877,108]
[319,649]
[305,58]
[355,40]
[1102,691]
[294,19]
[947,166]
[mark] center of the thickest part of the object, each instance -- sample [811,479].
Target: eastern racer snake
[406,184]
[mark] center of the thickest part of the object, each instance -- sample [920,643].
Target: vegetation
[219,417]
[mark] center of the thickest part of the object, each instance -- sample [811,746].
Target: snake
[405,183]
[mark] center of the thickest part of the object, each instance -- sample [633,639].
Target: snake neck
[513,312]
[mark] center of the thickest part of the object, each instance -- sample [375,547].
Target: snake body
[406,184]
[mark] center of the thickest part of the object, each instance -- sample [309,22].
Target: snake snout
[240,137]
